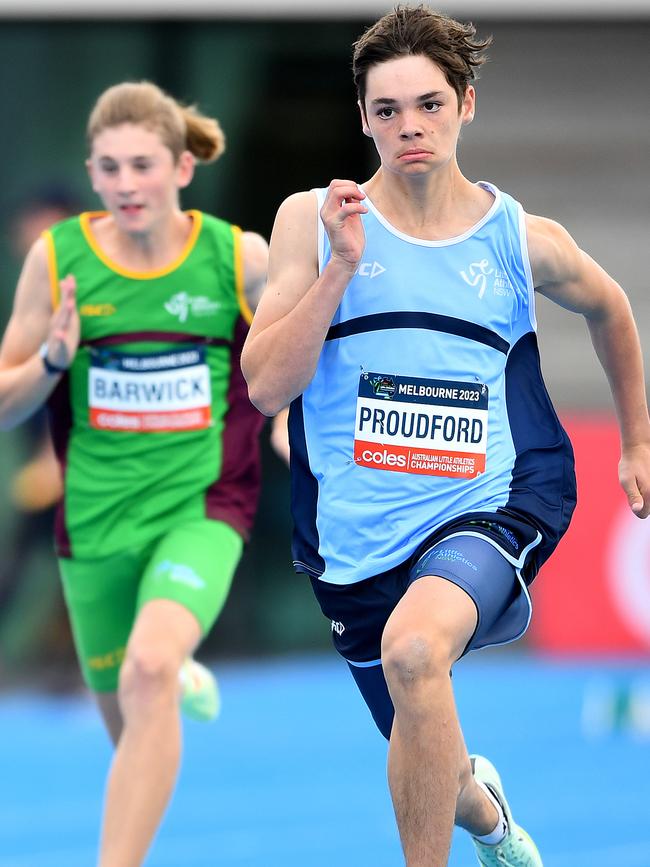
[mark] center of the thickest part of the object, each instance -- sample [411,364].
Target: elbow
[266,403]
[264,398]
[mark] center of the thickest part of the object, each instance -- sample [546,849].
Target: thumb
[67,286]
[633,494]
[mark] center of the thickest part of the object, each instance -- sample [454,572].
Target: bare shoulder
[554,255]
[34,283]
[32,308]
[299,205]
[255,261]
[294,237]
[565,273]
[293,258]
[255,249]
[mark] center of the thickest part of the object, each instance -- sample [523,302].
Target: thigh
[193,565]
[358,612]
[101,596]
[488,576]
[432,624]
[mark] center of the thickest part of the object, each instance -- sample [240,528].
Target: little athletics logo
[183,304]
[180,574]
[478,277]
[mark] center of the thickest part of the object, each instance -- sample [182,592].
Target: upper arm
[32,310]
[255,262]
[293,259]
[565,273]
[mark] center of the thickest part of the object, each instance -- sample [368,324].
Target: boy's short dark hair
[418,30]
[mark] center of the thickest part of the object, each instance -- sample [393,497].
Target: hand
[634,476]
[38,485]
[341,215]
[63,336]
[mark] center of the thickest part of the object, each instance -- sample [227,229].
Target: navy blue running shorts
[490,555]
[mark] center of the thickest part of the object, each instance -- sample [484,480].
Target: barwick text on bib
[159,392]
[430,426]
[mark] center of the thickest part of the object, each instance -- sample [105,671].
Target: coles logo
[383,458]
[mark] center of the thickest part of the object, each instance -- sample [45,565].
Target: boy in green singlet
[129,323]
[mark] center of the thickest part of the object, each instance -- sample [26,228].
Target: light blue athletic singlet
[427,402]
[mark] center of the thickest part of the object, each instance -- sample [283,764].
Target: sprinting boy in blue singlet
[431,477]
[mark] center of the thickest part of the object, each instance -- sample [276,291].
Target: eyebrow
[132,159]
[386,100]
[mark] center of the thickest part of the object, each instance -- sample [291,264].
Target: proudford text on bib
[157,392]
[430,426]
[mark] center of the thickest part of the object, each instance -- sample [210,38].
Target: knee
[410,660]
[148,673]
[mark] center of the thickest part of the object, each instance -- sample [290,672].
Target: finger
[641,505]
[63,316]
[342,190]
[68,288]
[634,496]
[68,284]
[337,183]
[348,208]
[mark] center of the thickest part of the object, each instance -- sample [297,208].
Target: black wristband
[50,369]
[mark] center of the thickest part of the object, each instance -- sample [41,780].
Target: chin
[419,168]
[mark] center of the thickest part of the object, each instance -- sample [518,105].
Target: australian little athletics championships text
[403,459]
[190,420]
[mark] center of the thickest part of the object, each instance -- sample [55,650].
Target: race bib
[149,393]
[429,426]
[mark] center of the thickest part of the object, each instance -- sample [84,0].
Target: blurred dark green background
[563,123]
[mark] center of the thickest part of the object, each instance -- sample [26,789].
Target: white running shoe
[516,849]
[199,692]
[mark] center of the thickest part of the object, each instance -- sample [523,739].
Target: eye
[108,167]
[386,112]
[142,165]
[430,106]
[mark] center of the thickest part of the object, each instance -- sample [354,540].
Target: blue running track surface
[293,773]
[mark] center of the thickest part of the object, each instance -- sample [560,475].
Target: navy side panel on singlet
[543,486]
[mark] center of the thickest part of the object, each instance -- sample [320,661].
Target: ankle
[496,826]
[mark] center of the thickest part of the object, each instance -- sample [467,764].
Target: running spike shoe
[199,692]
[516,849]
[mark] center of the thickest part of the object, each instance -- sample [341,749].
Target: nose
[411,126]
[125,181]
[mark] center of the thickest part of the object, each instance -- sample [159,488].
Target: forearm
[23,389]
[279,361]
[616,341]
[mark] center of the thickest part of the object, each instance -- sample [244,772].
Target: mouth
[131,209]
[414,154]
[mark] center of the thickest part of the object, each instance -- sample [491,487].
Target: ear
[468,107]
[364,119]
[185,169]
[91,173]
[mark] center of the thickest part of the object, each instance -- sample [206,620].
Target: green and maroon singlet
[152,424]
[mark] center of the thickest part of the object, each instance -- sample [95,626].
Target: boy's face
[411,112]
[136,177]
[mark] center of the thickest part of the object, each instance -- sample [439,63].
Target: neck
[144,251]
[433,206]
